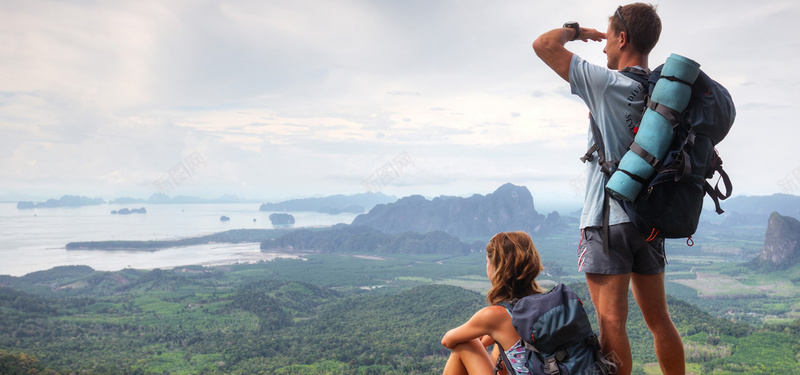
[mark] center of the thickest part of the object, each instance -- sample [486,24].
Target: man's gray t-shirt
[615,102]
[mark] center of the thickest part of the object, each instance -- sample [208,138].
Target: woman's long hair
[516,263]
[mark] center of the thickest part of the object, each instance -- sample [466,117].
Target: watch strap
[576,27]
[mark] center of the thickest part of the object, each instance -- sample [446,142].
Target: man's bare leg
[648,290]
[610,298]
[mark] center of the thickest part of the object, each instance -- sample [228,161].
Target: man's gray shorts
[629,251]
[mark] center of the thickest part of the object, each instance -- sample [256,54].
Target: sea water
[34,239]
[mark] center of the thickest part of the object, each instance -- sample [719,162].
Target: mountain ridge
[333,204]
[509,208]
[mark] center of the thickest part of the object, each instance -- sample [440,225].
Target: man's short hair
[642,23]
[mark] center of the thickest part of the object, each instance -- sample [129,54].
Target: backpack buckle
[588,156]
[551,367]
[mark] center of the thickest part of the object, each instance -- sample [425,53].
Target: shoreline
[229,236]
[232,255]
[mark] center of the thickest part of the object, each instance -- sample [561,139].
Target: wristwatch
[576,27]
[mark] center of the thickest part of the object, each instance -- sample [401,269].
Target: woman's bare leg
[469,358]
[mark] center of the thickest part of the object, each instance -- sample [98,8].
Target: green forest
[327,314]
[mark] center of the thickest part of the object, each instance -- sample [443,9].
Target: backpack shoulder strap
[637,75]
[503,363]
[503,358]
[509,305]
[606,166]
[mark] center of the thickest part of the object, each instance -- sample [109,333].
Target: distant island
[231,236]
[126,211]
[65,201]
[281,219]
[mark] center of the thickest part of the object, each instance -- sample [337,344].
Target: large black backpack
[557,335]
[671,202]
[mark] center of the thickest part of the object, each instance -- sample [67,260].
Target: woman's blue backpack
[557,335]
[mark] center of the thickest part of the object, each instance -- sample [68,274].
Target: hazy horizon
[275,101]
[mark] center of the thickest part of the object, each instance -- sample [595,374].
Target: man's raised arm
[550,47]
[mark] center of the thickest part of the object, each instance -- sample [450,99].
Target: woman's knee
[469,346]
[470,356]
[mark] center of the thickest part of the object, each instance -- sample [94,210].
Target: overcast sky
[283,99]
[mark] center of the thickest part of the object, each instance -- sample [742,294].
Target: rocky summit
[508,208]
[781,243]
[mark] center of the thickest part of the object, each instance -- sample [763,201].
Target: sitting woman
[512,264]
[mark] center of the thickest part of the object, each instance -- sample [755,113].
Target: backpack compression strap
[673,117]
[714,192]
[682,164]
[670,114]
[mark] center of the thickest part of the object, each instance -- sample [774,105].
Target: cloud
[404,93]
[303,97]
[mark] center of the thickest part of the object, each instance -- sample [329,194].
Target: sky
[274,100]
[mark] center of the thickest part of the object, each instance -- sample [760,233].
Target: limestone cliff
[508,208]
[781,243]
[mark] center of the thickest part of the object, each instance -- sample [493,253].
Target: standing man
[615,103]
